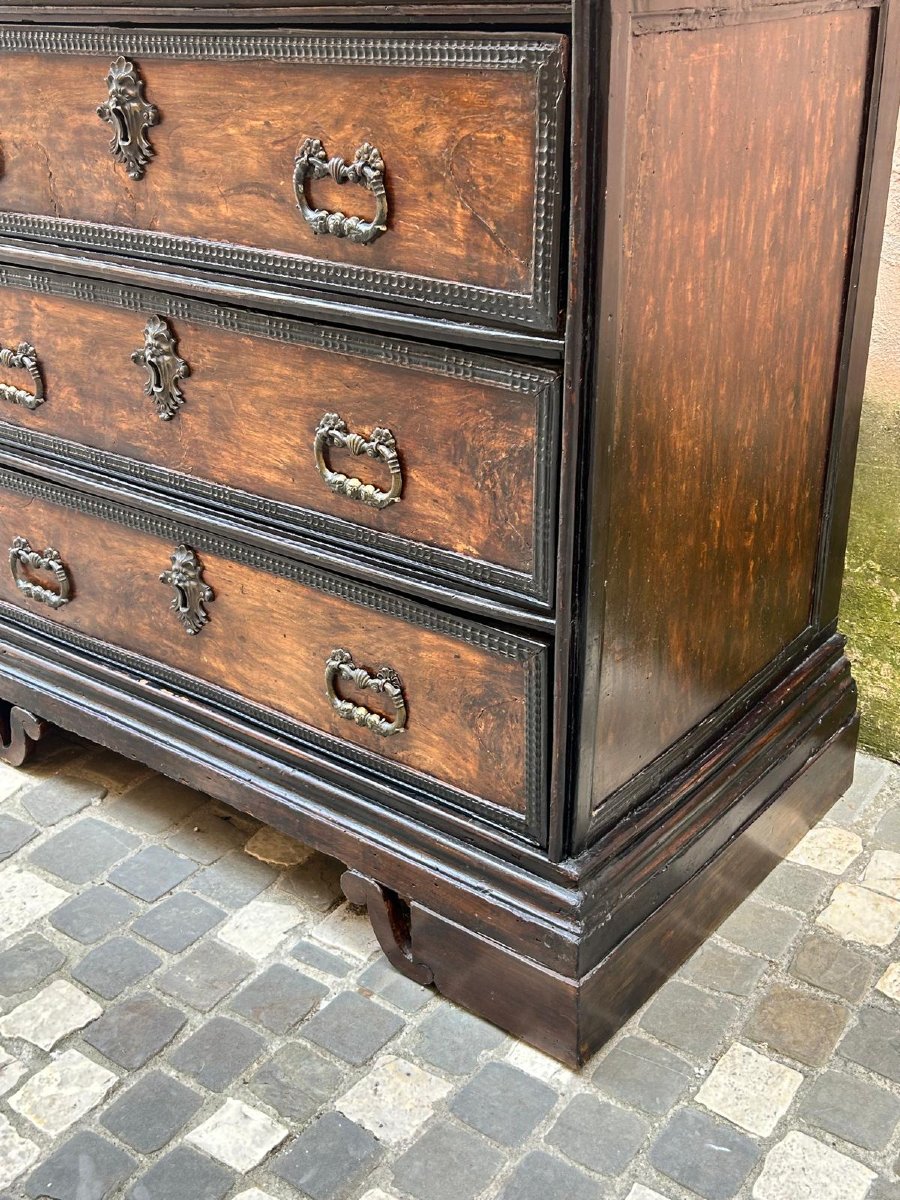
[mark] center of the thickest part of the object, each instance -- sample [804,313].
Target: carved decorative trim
[23,358]
[332,431]
[386,682]
[22,555]
[191,594]
[540,383]
[19,730]
[538,308]
[531,827]
[164,368]
[367,170]
[130,116]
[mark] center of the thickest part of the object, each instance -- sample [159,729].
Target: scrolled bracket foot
[389,915]
[19,730]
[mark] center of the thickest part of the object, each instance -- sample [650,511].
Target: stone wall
[871,602]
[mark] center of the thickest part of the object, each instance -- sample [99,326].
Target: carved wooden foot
[390,921]
[19,730]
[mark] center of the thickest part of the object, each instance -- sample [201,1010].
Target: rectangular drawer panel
[468,698]
[467,129]
[248,427]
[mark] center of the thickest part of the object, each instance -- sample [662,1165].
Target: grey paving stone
[869,776]
[712,1160]
[446,1163]
[797,1025]
[115,965]
[278,998]
[852,1109]
[152,872]
[84,850]
[296,1081]
[352,1027]
[209,972]
[315,884]
[329,1159]
[108,768]
[155,805]
[452,1039]
[794,886]
[887,832]
[27,963]
[131,1031]
[689,1019]
[60,796]
[386,982]
[503,1103]
[150,1113]
[540,1176]
[178,921]
[833,966]
[86,1167]
[644,1075]
[183,1174]
[206,837]
[14,834]
[321,960]
[725,970]
[884,1189]
[873,1042]
[234,880]
[761,928]
[92,915]
[218,1052]
[598,1135]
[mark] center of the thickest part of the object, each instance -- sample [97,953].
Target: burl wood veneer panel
[471,453]
[743,163]
[268,639]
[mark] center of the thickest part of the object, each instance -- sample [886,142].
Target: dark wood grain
[469,450]
[269,638]
[738,226]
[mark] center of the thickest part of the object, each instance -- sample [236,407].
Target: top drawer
[254,152]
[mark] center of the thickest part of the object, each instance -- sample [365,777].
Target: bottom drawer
[451,706]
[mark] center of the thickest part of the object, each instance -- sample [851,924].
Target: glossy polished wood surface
[459,147]
[738,231]
[472,452]
[268,639]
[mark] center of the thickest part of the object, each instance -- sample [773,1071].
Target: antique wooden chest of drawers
[431,429]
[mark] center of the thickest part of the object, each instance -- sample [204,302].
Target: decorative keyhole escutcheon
[192,595]
[23,358]
[164,368]
[340,666]
[366,170]
[332,431]
[22,558]
[130,116]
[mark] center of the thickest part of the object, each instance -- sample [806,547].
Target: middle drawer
[410,458]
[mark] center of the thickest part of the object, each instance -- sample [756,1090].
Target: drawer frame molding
[532,381]
[381,774]
[538,308]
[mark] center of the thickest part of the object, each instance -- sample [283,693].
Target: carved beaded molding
[518,648]
[537,308]
[542,384]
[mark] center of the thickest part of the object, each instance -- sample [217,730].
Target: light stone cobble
[294,1066]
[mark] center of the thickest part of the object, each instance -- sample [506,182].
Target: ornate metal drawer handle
[130,116]
[24,358]
[191,593]
[164,368]
[340,665]
[332,431]
[22,555]
[367,169]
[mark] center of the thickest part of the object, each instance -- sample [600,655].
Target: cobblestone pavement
[189,1012]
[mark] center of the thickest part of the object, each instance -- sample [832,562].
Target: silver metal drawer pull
[366,170]
[22,556]
[340,665]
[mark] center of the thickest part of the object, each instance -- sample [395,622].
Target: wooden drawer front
[475,442]
[472,695]
[468,129]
